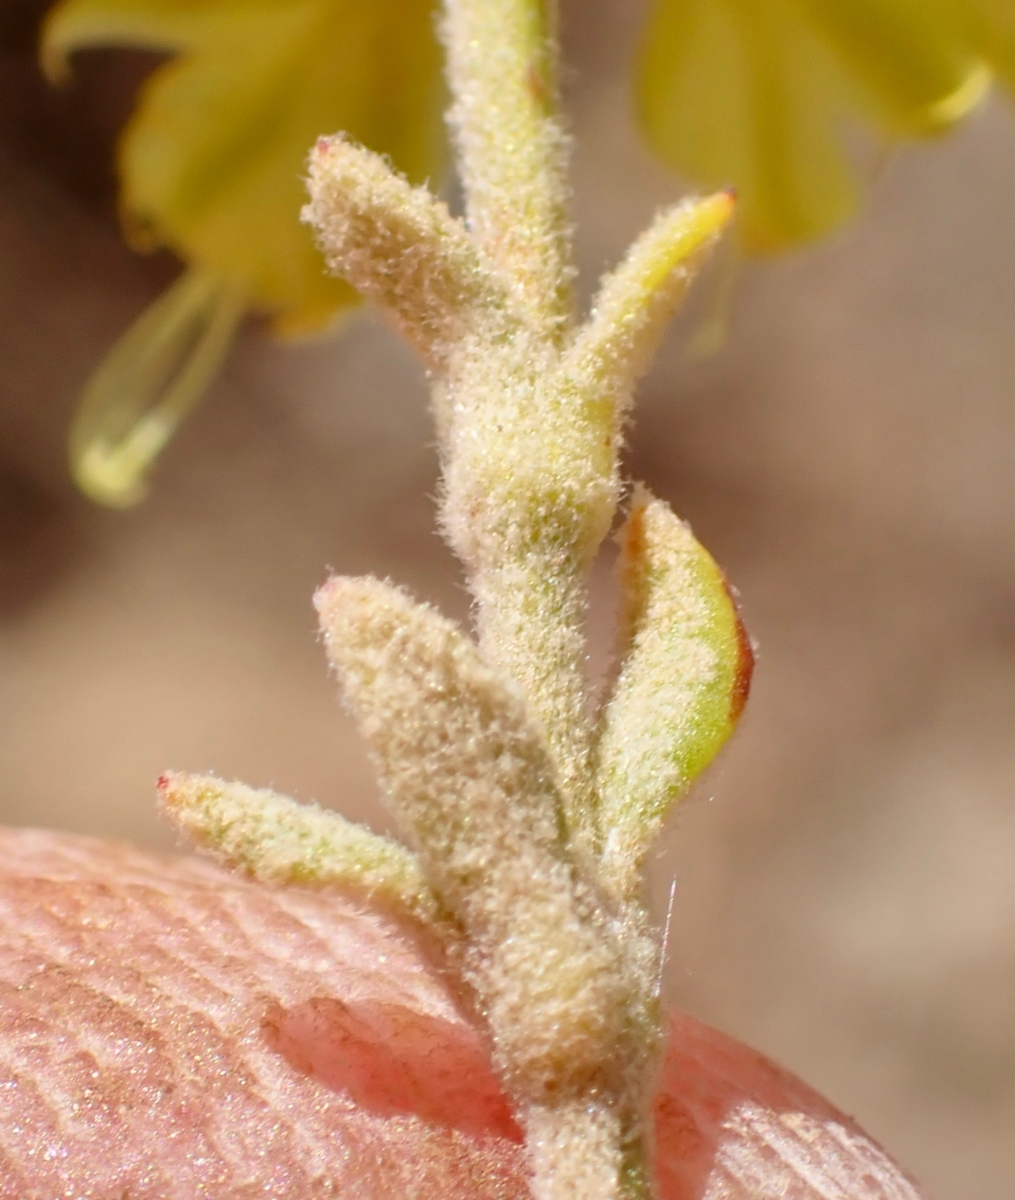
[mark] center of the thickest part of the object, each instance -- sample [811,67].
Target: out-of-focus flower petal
[212,160]
[989,28]
[733,94]
[755,95]
[211,165]
[905,60]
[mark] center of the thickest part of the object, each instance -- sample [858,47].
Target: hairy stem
[587,1149]
[488,753]
[511,149]
[530,487]
[530,622]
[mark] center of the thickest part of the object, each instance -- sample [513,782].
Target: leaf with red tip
[681,685]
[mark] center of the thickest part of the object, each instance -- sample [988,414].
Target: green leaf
[211,163]
[755,95]
[683,677]
[278,840]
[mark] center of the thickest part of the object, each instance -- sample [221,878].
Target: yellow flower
[751,93]
[758,93]
[988,27]
[211,165]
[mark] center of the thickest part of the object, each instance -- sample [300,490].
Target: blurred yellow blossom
[758,94]
[211,165]
[212,160]
[988,27]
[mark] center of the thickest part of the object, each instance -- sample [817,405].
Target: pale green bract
[757,94]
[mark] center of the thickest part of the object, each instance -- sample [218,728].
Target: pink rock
[169,1031]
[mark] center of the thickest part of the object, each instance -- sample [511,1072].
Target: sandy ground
[844,879]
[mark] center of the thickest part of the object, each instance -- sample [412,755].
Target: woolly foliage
[685,668]
[279,841]
[516,202]
[486,750]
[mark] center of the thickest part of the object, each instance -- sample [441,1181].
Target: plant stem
[584,1151]
[502,68]
[530,621]
[488,755]
[508,420]
[530,489]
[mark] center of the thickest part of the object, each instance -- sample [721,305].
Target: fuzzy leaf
[637,299]
[398,245]
[681,686]
[470,780]
[211,163]
[736,93]
[278,840]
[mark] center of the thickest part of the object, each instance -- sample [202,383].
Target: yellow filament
[147,384]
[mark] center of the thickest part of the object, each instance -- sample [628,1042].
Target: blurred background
[843,881]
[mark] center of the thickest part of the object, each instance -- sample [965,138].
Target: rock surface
[169,1031]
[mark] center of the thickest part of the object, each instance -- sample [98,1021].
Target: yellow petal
[989,29]
[212,161]
[905,58]
[732,94]
[752,94]
[151,24]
